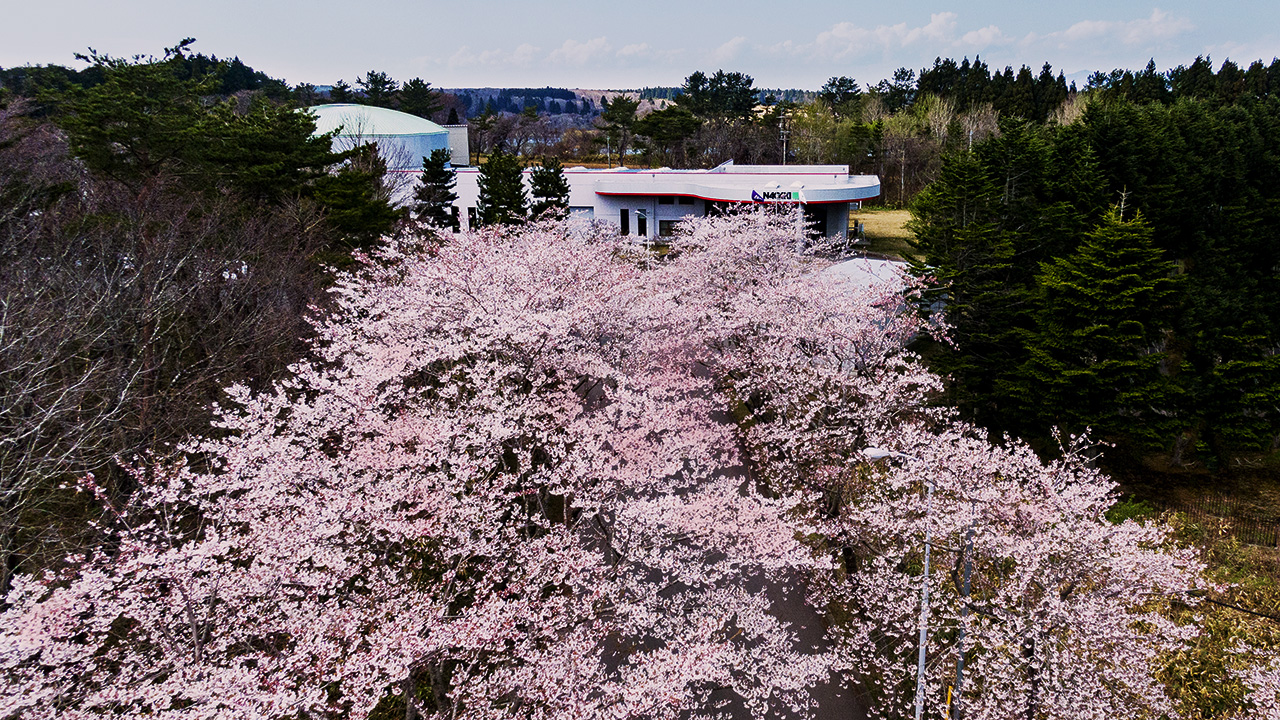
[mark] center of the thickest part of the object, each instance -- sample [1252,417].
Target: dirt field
[885,231]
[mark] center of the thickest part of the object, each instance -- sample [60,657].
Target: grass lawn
[887,235]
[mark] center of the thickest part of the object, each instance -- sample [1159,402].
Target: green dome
[368,120]
[402,139]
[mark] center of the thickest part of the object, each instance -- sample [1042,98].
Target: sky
[617,45]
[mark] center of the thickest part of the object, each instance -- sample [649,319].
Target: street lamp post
[964,618]
[874,453]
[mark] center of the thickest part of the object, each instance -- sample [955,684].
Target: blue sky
[781,43]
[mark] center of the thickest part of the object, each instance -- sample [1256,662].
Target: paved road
[834,700]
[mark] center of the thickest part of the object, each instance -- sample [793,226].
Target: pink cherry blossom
[548,475]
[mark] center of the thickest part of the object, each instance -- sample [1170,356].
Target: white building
[649,203]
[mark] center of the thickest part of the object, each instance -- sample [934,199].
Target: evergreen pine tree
[434,197]
[417,98]
[1150,85]
[502,196]
[1196,81]
[1020,101]
[967,260]
[378,88]
[357,201]
[1097,356]
[550,190]
[340,92]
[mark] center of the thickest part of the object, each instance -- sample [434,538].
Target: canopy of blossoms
[540,473]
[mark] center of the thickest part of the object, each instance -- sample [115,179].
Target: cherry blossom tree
[1055,610]
[1059,614]
[493,491]
[500,488]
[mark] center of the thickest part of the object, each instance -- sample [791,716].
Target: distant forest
[1192,149]
[966,84]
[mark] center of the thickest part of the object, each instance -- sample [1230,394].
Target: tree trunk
[410,701]
[1033,677]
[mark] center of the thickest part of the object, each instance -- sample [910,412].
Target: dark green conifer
[417,98]
[434,197]
[379,89]
[502,196]
[967,259]
[550,190]
[356,200]
[341,92]
[1098,355]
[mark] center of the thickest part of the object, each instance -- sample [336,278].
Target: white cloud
[941,28]
[637,50]
[573,52]
[1146,32]
[463,57]
[845,39]
[841,40]
[1243,54]
[983,38]
[729,50]
[523,56]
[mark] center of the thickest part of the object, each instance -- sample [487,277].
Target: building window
[624,221]
[667,228]
[815,218]
[642,224]
[666,200]
[684,200]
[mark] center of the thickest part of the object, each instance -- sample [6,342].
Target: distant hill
[779,94]
[587,102]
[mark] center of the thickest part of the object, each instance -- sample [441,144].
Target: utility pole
[924,603]
[875,453]
[964,618]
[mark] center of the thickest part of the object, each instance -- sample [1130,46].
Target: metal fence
[1237,523]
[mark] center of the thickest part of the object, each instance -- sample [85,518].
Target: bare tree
[979,123]
[813,131]
[873,109]
[909,159]
[121,317]
[1071,110]
[392,162]
[936,113]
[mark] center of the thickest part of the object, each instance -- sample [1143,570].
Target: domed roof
[371,121]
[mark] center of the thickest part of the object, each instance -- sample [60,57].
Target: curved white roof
[369,121]
[719,188]
[807,184]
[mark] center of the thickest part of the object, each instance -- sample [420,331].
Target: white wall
[584,200]
[459,144]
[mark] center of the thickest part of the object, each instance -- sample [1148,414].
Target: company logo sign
[773,195]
